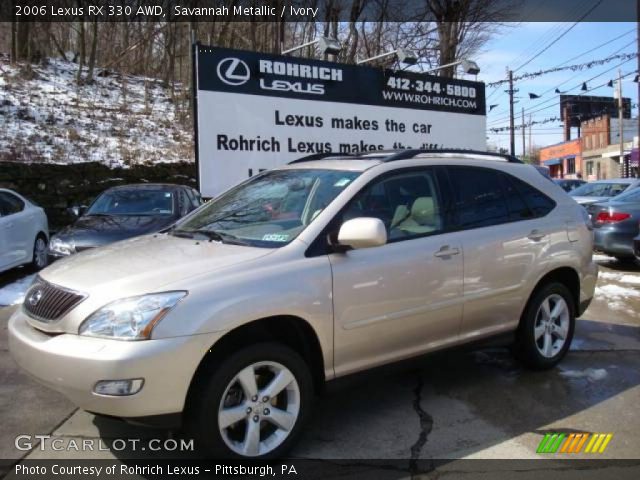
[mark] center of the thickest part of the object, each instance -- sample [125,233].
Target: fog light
[119,387]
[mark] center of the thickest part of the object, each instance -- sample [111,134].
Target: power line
[558,38]
[588,90]
[496,89]
[553,99]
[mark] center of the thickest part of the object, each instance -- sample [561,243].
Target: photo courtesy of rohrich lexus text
[319,239]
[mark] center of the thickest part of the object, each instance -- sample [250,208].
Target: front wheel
[254,404]
[546,328]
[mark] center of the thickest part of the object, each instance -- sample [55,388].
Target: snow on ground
[119,120]
[13,293]
[621,277]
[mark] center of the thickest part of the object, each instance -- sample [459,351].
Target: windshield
[269,210]
[604,189]
[133,202]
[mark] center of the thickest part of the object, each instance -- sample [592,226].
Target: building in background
[595,154]
[600,137]
[564,159]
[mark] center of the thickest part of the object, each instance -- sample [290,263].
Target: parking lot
[462,404]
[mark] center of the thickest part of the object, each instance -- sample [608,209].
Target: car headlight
[130,318]
[61,247]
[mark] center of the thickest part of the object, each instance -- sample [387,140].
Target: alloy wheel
[259,409]
[551,326]
[40,253]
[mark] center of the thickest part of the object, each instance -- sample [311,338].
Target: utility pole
[638,50]
[623,169]
[524,147]
[512,133]
[530,144]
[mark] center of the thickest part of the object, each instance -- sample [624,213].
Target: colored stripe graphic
[573,443]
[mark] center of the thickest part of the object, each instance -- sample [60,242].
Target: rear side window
[539,204]
[479,200]
[518,208]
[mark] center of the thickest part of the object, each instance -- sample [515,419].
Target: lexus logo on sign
[233,71]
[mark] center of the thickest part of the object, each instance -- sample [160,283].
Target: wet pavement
[457,404]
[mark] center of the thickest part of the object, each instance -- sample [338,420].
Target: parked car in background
[24,232]
[602,190]
[232,320]
[616,223]
[123,212]
[636,248]
[569,184]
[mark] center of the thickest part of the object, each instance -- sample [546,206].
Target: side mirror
[77,211]
[362,232]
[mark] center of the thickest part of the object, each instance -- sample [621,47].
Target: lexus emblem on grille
[34,297]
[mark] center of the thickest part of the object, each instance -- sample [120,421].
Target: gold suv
[234,318]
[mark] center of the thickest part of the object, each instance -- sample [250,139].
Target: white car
[24,232]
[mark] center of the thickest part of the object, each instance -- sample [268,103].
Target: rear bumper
[72,364]
[636,247]
[613,242]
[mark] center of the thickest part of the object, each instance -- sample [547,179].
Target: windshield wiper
[212,235]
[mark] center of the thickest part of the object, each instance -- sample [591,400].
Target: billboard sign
[256,111]
[585,107]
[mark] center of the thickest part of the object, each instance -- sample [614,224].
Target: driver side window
[407,203]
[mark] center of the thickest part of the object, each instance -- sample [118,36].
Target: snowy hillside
[118,120]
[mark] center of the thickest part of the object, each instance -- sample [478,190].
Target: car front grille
[47,302]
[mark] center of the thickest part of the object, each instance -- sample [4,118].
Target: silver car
[233,320]
[603,190]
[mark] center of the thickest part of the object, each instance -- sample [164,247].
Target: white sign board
[258,111]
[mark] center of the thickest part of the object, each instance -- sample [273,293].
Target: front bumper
[613,242]
[72,364]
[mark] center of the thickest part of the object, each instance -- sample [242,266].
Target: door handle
[536,235]
[446,251]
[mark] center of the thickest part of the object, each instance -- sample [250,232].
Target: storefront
[564,160]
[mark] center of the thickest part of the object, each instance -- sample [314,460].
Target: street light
[469,66]
[402,55]
[327,45]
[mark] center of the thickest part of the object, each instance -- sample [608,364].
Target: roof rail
[405,154]
[412,153]
[319,156]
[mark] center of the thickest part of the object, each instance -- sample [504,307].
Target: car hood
[586,200]
[146,264]
[96,230]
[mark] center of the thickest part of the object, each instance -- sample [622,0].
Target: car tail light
[609,217]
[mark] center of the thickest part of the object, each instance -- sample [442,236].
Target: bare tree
[464,25]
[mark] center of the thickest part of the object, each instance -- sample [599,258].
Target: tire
[222,390]
[39,258]
[542,341]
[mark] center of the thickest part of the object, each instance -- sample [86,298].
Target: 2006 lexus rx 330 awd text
[234,319]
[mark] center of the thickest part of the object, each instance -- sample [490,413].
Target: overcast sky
[514,46]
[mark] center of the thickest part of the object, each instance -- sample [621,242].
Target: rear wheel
[546,328]
[254,404]
[39,259]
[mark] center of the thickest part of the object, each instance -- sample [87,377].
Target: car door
[504,243]
[402,298]
[17,230]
